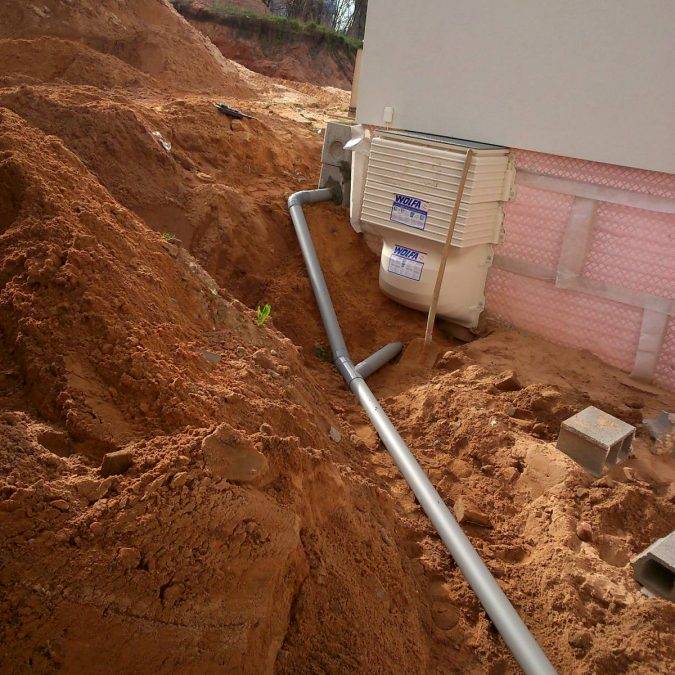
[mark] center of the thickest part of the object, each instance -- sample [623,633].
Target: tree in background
[357,22]
[344,16]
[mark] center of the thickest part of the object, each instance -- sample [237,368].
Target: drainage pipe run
[518,638]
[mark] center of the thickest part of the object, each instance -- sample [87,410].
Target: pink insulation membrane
[609,175]
[629,248]
[535,223]
[608,329]
[634,249]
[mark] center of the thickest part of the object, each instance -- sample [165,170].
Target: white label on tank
[407,262]
[409,211]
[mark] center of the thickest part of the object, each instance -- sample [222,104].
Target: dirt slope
[145,34]
[106,324]
[301,58]
[243,536]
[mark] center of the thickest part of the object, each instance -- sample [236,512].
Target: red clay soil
[303,59]
[237,533]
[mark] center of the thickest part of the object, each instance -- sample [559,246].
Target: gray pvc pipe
[377,359]
[518,638]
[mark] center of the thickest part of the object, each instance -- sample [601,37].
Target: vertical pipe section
[519,640]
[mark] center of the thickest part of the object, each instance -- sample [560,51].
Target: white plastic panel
[411,188]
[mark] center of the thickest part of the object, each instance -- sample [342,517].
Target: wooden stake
[431,318]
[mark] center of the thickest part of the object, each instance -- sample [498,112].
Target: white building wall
[591,79]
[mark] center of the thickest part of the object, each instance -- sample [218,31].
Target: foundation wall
[588,261]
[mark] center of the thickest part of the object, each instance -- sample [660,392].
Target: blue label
[409,253]
[409,211]
[406,262]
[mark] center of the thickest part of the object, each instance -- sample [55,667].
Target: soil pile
[267,48]
[183,488]
[145,34]
[230,511]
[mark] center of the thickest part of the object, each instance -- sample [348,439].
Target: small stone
[96,528]
[266,429]
[236,125]
[444,616]
[335,435]
[240,351]
[507,381]
[263,359]
[171,594]
[584,531]
[604,482]
[115,463]
[60,504]
[210,356]
[540,429]
[92,490]
[466,512]
[581,640]
[230,455]
[635,403]
[129,558]
[179,479]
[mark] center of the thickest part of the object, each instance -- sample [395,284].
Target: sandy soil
[242,536]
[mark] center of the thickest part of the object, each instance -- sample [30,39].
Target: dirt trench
[243,536]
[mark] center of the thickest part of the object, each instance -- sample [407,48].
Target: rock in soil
[116,462]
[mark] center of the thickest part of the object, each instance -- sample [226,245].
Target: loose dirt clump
[185,489]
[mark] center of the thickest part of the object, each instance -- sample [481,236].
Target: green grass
[278,28]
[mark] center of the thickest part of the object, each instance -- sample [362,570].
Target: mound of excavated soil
[201,553]
[57,60]
[233,531]
[302,58]
[145,34]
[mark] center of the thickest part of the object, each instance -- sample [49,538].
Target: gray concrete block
[595,440]
[335,137]
[654,568]
[336,162]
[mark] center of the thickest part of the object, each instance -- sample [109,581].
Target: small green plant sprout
[262,314]
[322,353]
[168,236]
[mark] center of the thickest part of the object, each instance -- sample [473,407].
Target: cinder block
[595,439]
[654,568]
[336,162]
